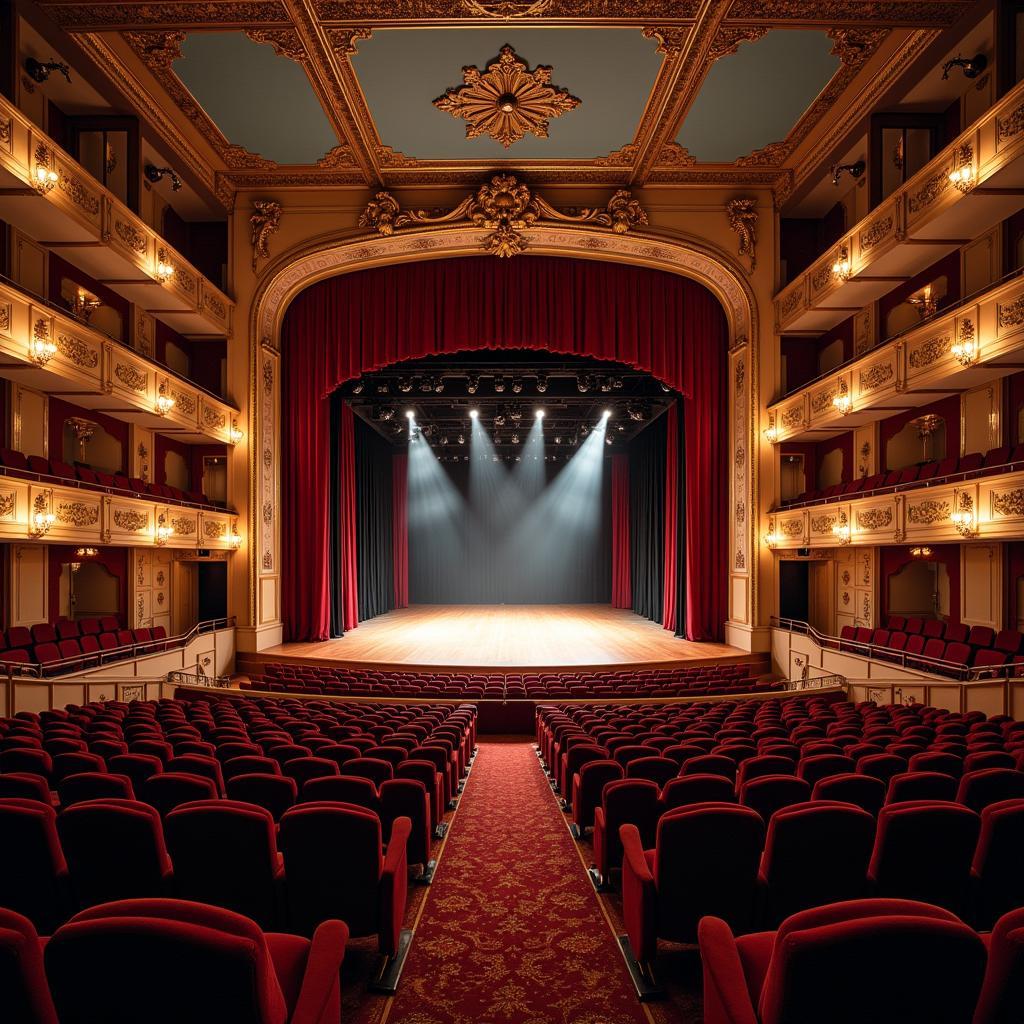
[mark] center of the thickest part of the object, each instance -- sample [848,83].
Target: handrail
[79,662]
[918,662]
[198,679]
[910,485]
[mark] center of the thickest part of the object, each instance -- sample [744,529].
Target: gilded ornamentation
[6,505]
[1012,314]
[822,401]
[1010,125]
[507,100]
[729,39]
[268,376]
[5,317]
[740,376]
[741,560]
[140,608]
[127,519]
[183,526]
[184,402]
[671,38]
[740,457]
[875,232]
[927,512]
[131,236]
[214,530]
[268,458]
[506,207]
[932,350]
[793,416]
[741,512]
[875,376]
[77,351]
[337,157]
[674,155]
[742,215]
[822,524]
[874,518]
[846,577]
[285,41]
[791,302]
[506,10]
[937,184]
[213,418]
[263,222]
[268,560]
[79,194]
[160,578]
[130,377]
[792,528]
[1009,504]
[822,276]
[77,513]
[6,128]
[214,304]
[846,597]
[268,512]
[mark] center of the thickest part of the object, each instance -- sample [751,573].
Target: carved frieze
[77,513]
[1009,504]
[213,418]
[184,402]
[127,519]
[7,505]
[929,352]
[822,524]
[874,518]
[131,377]
[183,526]
[1012,314]
[214,530]
[792,527]
[875,232]
[927,512]
[875,376]
[77,351]
[131,236]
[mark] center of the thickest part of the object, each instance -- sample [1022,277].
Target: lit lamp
[921,552]
[41,348]
[965,348]
[44,177]
[86,552]
[770,539]
[84,304]
[963,517]
[41,523]
[962,175]
[164,267]
[163,532]
[841,531]
[234,538]
[236,434]
[841,268]
[771,434]
[924,302]
[164,401]
[842,402]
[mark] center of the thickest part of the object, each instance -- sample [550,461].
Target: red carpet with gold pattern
[512,931]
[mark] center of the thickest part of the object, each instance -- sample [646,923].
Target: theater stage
[507,638]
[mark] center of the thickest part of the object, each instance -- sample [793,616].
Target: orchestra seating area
[72,645]
[700,681]
[924,642]
[966,467]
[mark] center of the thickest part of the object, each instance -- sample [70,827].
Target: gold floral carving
[671,38]
[874,518]
[77,513]
[742,215]
[822,524]
[506,207]
[929,352]
[130,377]
[79,194]
[5,317]
[823,400]
[268,376]
[1011,124]
[790,303]
[1012,314]
[939,182]
[6,128]
[126,519]
[507,100]
[793,416]
[268,512]
[792,527]
[184,402]
[268,560]
[214,530]
[131,236]
[875,232]
[506,10]
[875,376]
[928,512]
[183,526]
[213,418]
[77,351]
[211,302]
[1011,503]
[6,505]
[263,222]
[674,155]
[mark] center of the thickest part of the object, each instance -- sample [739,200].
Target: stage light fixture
[405,385]
[472,383]
[584,382]
[382,388]
[427,384]
[558,439]
[517,385]
[357,388]
[444,439]
[462,438]
[542,383]
[499,419]
[473,413]
[409,414]
[608,439]
[515,439]
[584,430]
[606,414]
[539,414]
[605,384]
[499,385]
[516,414]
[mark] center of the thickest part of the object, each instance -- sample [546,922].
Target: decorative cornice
[742,217]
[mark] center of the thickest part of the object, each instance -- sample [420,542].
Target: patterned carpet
[512,931]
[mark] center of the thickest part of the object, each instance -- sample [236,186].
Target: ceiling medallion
[506,10]
[505,206]
[507,100]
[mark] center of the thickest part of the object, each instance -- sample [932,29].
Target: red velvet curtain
[670,582]
[345,326]
[400,527]
[622,590]
[349,542]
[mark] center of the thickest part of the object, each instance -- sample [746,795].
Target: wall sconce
[841,268]
[921,552]
[41,348]
[86,553]
[841,531]
[965,348]
[963,518]
[164,401]
[843,403]
[924,302]
[962,177]
[771,434]
[854,170]
[163,532]
[971,66]
[44,177]
[41,523]
[235,540]
[236,434]
[39,71]
[84,304]
[164,267]
[154,175]
[771,540]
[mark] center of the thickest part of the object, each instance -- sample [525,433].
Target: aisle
[512,931]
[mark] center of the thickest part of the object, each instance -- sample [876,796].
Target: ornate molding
[126,519]
[263,222]
[875,376]
[130,377]
[874,518]
[77,513]
[742,216]
[1009,504]
[931,351]
[506,101]
[505,207]
[927,512]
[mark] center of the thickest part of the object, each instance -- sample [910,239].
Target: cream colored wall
[981,585]
[151,603]
[29,584]
[29,429]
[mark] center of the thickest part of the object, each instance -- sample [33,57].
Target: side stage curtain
[348,325]
[670,572]
[622,591]
[347,516]
[682,547]
[400,528]
[374,539]
[647,519]
[336,557]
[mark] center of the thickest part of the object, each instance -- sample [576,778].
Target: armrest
[639,896]
[321,981]
[394,886]
[726,997]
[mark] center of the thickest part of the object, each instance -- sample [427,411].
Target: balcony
[975,182]
[53,352]
[964,508]
[54,200]
[980,339]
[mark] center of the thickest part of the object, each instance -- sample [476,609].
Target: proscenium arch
[341,253]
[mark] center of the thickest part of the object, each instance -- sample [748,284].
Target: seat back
[769,793]
[593,777]
[33,872]
[987,786]
[346,789]
[685,790]
[655,769]
[920,786]
[863,791]
[26,994]
[74,789]
[169,789]
[1002,993]
[275,793]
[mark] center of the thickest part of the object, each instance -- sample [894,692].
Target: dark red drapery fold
[622,587]
[400,527]
[670,583]
[343,327]
[350,548]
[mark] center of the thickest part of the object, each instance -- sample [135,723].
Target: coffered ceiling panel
[611,72]
[755,96]
[257,98]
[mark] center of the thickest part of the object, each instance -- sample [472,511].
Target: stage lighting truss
[405,384]
[385,414]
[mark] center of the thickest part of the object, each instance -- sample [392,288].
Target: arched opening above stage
[661,324]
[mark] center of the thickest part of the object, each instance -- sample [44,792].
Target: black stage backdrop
[490,547]
[373,522]
[647,519]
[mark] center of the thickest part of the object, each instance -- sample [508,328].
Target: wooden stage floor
[506,637]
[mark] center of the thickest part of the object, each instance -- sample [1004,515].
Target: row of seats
[174,961]
[15,463]
[953,643]
[996,460]
[70,646]
[712,680]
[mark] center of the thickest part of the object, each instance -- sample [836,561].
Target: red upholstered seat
[765,764]
[24,786]
[810,970]
[74,789]
[25,992]
[26,759]
[920,785]
[820,766]
[199,764]
[626,801]
[572,760]
[170,789]
[76,763]
[769,793]
[1002,993]
[249,764]
[685,790]
[33,872]
[655,769]
[407,799]
[301,769]
[996,868]
[335,867]
[115,850]
[987,786]
[704,861]
[192,962]
[369,768]
[274,792]
[425,773]
[345,789]
[934,628]
[587,789]
[250,880]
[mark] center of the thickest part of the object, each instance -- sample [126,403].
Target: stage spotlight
[472,383]
[517,385]
[499,419]
[462,438]
[382,388]
[427,384]
[515,439]
[444,439]
[584,430]
[542,383]
[385,414]
[438,385]
[558,439]
[405,385]
[499,385]
[606,414]
[539,414]
[409,414]
[516,414]
[584,382]
[473,413]
[608,439]
[605,385]
[357,388]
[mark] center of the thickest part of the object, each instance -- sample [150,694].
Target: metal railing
[199,679]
